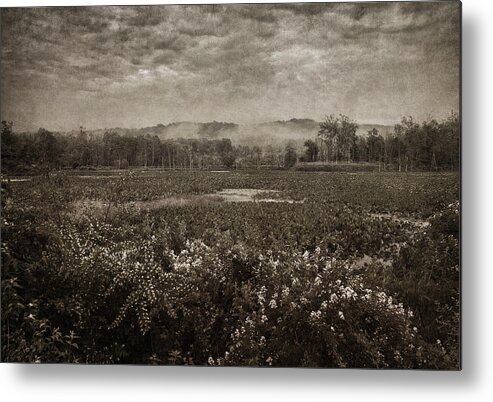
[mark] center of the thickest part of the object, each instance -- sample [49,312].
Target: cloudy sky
[103,67]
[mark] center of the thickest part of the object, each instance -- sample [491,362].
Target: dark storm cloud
[313,9]
[133,66]
[146,16]
[260,14]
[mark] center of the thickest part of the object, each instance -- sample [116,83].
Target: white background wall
[125,383]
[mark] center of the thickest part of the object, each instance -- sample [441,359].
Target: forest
[431,145]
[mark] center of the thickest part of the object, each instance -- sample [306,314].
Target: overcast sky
[103,67]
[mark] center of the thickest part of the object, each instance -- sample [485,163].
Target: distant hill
[275,133]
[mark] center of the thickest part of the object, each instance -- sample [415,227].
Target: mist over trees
[431,145]
[46,151]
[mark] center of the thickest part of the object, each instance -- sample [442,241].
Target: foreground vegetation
[362,271]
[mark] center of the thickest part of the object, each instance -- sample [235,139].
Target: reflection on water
[251,195]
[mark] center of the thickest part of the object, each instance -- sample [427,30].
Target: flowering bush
[221,304]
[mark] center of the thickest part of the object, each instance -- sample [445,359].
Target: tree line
[48,150]
[431,145]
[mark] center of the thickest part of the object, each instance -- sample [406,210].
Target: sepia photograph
[261,185]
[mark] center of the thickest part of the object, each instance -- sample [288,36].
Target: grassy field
[318,269]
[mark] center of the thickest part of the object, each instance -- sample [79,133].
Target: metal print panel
[232,185]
